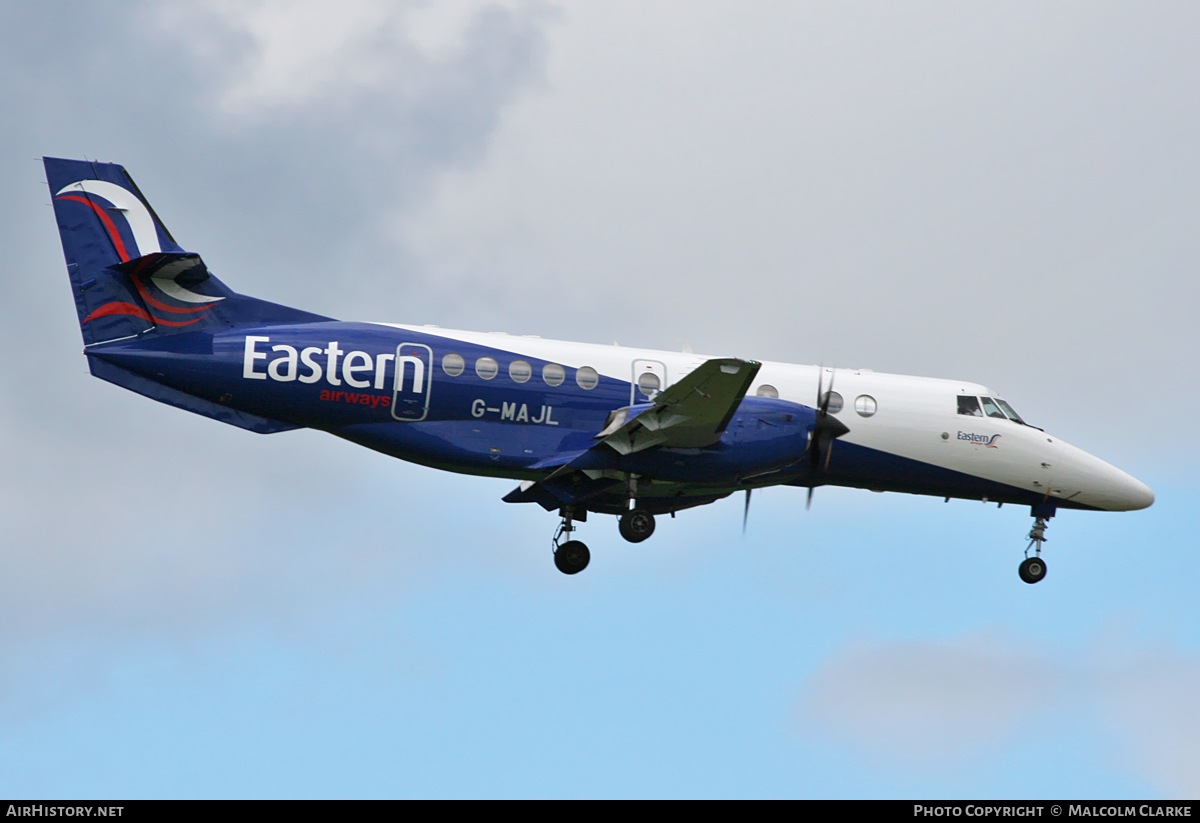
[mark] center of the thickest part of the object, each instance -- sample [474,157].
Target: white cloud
[934,702]
[1154,699]
[930,700]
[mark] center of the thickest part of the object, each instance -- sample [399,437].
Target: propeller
[746,513]
[826,429]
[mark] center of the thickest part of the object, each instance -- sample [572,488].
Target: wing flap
[692,413]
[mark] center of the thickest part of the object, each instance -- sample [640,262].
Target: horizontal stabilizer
[182,268]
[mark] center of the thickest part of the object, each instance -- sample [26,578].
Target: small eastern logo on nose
[988,440]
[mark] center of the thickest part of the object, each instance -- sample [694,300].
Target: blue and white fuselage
[581,427]
[513,406]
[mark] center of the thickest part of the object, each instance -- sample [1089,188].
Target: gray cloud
[130,519]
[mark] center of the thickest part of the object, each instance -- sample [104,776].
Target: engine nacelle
[764,434]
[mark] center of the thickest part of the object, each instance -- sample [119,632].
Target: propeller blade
[826,428]
[746,513]
[823,396]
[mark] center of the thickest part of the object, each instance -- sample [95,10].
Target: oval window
[865,405]
[453,364]
[553,374]
[767,390]
[649,384]
[834,400]
[587,378]
[520,371]
[487,368]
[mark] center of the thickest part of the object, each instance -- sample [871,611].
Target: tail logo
[141,224]
[145,240]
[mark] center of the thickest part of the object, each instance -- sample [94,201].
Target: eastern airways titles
[291,364]
[287,365]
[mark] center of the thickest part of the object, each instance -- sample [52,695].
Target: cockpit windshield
[988,406]
[1012,415]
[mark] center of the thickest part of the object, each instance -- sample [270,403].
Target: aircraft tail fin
[128,275]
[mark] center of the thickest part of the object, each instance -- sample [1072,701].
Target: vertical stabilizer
[128,275]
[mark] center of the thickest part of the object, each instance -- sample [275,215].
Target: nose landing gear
[1033,569]
[571,556]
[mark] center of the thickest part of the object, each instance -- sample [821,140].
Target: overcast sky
[1003,193]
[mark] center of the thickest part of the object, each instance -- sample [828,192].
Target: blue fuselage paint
[386,389]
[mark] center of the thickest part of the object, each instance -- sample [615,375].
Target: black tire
[636,525]
[572,557]
[1032,569]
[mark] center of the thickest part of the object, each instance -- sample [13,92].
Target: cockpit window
[970,406]
[991,408]
[1012,415]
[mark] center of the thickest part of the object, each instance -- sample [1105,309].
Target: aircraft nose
[1132,494]
[1116,491]
[1101,484]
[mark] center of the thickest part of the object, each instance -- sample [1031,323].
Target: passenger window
[767,390]
[649,384]
[487,368]
[991,408]
[969,406]
[587,377]
[865,405]
[553,374]
[453,364]
[832,401]
[520,371]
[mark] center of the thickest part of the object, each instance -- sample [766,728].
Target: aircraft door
[413,382]
[649,378]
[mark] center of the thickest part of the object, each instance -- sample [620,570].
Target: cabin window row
[833,402]
[987,407]
[520,371]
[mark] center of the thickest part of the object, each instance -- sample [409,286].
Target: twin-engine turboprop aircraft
[583,428]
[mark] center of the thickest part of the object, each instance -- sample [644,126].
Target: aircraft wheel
[1032,569]
[636,525]
[572,557]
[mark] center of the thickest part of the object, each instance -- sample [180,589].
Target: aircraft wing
[692,413]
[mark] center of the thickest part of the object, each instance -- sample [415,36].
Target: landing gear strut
[636,525]
[1033,569]
[571,556]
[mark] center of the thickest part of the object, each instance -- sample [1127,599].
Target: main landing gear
[1033,569]
[636,525]
[571,556]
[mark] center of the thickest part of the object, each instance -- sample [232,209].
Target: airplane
[583,429]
